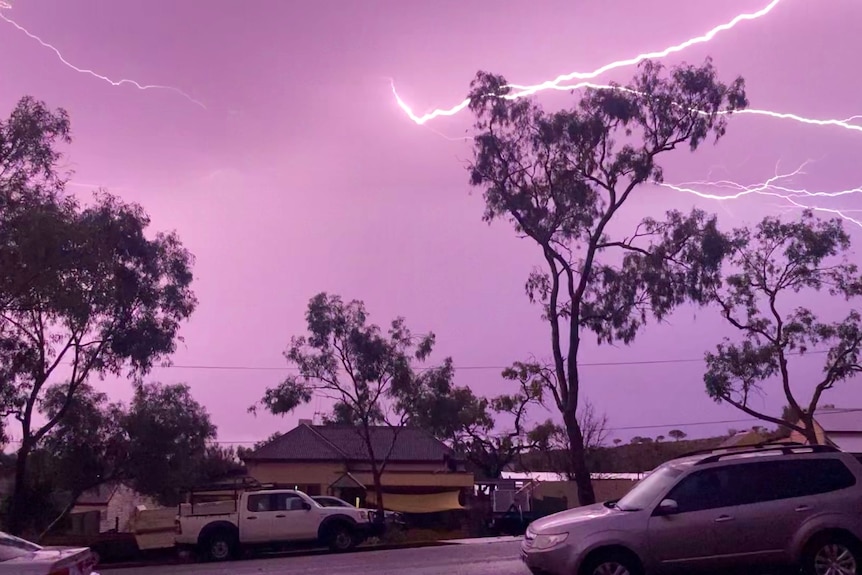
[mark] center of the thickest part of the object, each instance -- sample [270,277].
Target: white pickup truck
[267,518]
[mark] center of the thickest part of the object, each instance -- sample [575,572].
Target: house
[113,503]
[746,438]
[606,486]
[421,475]
[839,427]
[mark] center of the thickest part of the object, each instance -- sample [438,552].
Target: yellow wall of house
[398,467]
[418,479]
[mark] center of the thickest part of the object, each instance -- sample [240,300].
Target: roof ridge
[325,440]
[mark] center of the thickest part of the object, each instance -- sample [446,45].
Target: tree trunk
[18,502]
[810,431]
[378,489]
[61,516]
[586,495]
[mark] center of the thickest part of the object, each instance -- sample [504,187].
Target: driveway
[478,559]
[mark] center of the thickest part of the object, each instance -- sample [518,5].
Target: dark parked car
[391,518]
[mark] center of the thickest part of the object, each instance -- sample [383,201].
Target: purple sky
[303,175]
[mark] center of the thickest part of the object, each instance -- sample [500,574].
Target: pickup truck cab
[268,518]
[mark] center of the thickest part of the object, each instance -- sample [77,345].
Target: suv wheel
[832,555]
[611,564]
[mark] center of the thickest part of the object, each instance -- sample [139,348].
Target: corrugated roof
[343,442]
[837,420]
[743,439]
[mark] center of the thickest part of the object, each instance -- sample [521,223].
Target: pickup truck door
[293,520]
[256,518]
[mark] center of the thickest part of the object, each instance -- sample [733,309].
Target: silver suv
[769,506]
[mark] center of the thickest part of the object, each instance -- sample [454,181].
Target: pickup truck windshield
[331,502]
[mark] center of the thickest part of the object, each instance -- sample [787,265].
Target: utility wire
[627,428]
[488,367]
[468,367]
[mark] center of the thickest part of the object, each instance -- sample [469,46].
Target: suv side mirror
[306,505]
[666,507]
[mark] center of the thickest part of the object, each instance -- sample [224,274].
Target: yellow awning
[417,503]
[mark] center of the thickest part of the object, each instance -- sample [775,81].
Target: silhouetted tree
[489,432]
[770,265]
[83,290]
[677,434]
[170,449]
[551,438]
[561,179]
[160,444]
[87,447]
[358,366]
[241,452]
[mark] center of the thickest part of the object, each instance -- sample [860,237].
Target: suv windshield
[649,488]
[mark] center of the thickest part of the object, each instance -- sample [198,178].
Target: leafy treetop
[770,264]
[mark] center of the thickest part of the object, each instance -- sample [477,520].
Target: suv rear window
[760,481]
[805,477]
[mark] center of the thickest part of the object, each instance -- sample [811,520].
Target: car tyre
[221,546]
[341,538]
[832,554]
[612,563]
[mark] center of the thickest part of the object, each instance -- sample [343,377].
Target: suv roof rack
[762,445]
[785,449]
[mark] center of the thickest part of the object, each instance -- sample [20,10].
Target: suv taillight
[178,527]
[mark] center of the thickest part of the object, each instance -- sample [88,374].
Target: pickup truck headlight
[363,515]
[547,541]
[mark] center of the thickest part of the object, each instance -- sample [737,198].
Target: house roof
[743,439]
[840,420]
[344,443]
[100,495]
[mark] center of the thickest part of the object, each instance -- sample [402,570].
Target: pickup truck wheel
[220,546]
[832,555]
[341,538]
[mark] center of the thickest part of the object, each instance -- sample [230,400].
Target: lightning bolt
[7,6]
[847,123]
[559,83]
[772,187]
[552,84]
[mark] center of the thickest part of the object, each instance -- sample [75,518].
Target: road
[481,559]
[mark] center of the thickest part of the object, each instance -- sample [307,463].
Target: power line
[626,428]
[468,367]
